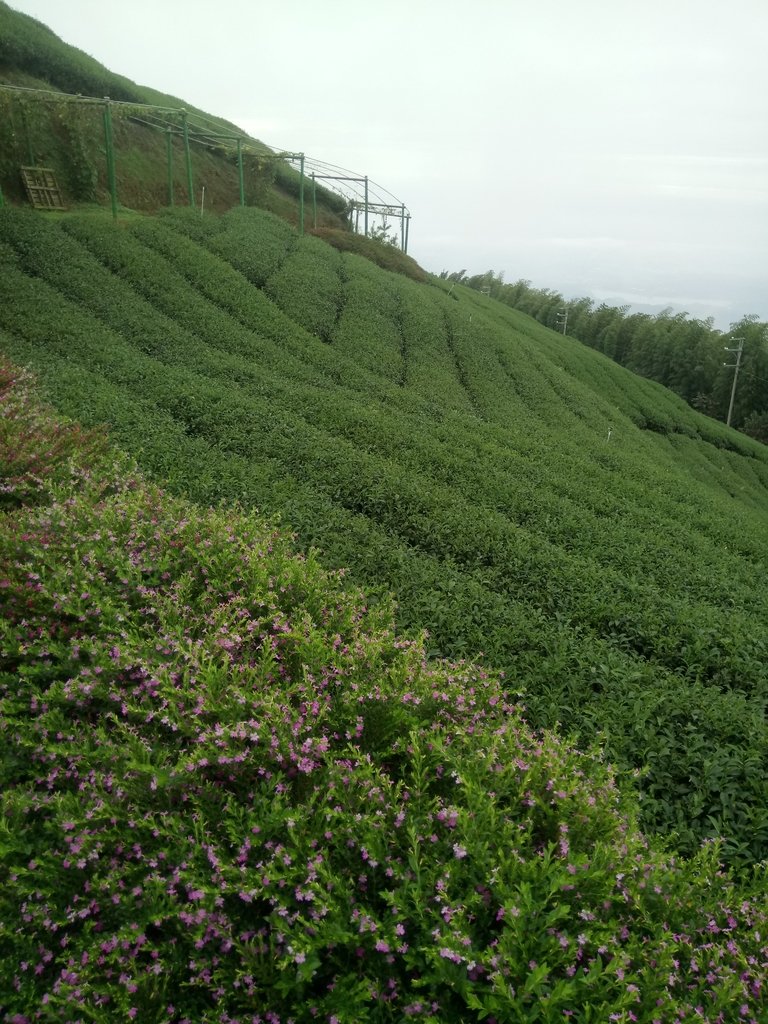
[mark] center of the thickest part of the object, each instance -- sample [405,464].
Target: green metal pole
[402,228]
[314,202]
[169,138]
[366,206]
[240,171]
[110,153]
[407,226]
[188,155]
[24,121]
[301,195]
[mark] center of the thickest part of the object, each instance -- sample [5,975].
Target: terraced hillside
[518,493]
[231,794]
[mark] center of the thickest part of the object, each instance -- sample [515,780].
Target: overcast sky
[611,148]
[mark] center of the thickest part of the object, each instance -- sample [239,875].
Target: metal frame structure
[193,128]
[189,126]
[362,196]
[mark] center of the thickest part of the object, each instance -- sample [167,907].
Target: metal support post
[366,206]
[110,154]
[169,147]
[314,202]
[301,194]
[402,227]
[407,228]
[188,155]
[25,122]
[240,171]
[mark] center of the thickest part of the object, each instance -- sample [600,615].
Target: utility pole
[736,367]
[562,319]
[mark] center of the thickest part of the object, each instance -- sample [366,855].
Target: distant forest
[686,355]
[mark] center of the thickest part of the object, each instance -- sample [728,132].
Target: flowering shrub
[36,448]
[231,793]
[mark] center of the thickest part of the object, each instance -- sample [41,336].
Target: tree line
[684,354]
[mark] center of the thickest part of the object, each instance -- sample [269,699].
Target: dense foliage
[680,352]
[602,544]
[231,793]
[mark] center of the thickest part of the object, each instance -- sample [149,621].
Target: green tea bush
[231,792]
[211,281]
[388,257]
[255,242]
[367,330]
[430,364]
[187,221]
[308,286]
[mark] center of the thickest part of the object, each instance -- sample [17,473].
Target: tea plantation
[601,544]
[231,793]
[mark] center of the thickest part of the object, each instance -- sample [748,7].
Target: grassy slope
[450,450]
[229,792]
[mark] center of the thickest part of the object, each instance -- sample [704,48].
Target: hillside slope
[39,125]
[681,352]
[229,792]
[601,543]
[29,47]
